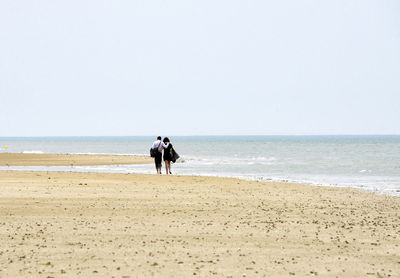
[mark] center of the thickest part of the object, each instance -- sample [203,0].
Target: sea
[369,162]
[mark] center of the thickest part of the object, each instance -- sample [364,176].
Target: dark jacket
[174,155]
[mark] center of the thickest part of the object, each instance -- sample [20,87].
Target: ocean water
[368,162]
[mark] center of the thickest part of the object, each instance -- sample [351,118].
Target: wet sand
[127,225]
[26,159]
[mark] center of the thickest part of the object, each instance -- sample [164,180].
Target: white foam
[86,153]
[33,152]
[365,171]
[122,154]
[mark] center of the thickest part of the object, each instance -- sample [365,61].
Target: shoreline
[244,178]
[49,159]
[128,163]
[84,224]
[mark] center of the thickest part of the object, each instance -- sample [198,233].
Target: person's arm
[164,146]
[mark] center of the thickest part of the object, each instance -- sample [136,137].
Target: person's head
[159,138]
[166,140]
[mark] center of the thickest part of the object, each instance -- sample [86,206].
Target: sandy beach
[128,225]
[28,159]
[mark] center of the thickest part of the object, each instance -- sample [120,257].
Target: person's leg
[157,160]
[169,167]
[166,166]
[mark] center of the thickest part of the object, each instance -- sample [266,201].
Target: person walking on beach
[169,155]
[157,148]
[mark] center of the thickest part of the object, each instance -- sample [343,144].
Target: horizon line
[203,135]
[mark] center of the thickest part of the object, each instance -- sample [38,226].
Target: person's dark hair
[159,138]
[166,140]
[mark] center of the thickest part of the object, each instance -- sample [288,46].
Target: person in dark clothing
[167,156]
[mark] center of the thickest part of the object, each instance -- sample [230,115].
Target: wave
[99,153]
[365,171]
[33,152]
[259,160]
[84,153]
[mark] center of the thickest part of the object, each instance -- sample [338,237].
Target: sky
[209,67]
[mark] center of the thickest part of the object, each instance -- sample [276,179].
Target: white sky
[199,67]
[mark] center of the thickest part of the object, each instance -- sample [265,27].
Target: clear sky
[205,67]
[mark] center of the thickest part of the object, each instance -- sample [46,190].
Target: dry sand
[26,159]
[128,225]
